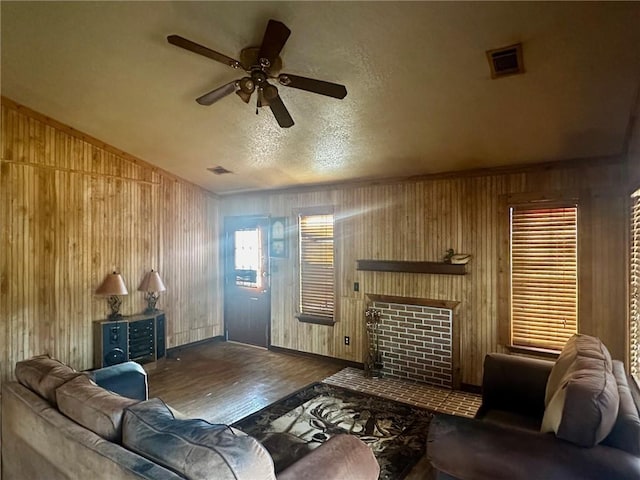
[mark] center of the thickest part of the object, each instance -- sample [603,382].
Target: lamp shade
[152,283]
[113,284]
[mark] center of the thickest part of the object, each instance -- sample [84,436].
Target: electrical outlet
[347,341]
[356,286]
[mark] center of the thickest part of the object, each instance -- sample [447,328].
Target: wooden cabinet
[141,338]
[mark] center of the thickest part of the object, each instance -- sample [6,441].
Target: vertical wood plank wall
[634,149]
[420,220]
[71,211]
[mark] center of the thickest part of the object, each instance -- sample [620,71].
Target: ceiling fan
[261,64]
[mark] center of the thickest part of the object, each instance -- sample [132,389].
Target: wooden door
[247,299]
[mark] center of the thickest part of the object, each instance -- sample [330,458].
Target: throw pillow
[194,448]
[577,345]
[93,407]
[43,375]
[584,409]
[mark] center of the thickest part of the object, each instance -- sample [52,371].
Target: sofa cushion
[625,434]
[43,375]
[512,419]
[93,407]
[194,448]
[576,346]
[585,407]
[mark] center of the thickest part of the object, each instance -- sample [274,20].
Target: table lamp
[152,286]
[113,287]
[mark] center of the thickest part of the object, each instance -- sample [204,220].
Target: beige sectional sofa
[58,424]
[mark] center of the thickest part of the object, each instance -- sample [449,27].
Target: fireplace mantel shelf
[411,267]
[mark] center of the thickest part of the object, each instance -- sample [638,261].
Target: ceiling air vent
[505,61]
[219,170]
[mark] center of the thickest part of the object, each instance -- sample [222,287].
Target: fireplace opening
[412,339]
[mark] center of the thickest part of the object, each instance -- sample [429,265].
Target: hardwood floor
[223,382]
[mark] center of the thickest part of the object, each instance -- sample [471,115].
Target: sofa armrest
[515,384]
[128,379]
[343,456]
[467,448]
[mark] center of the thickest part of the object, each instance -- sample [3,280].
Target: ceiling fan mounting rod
[258,76]
[264,63]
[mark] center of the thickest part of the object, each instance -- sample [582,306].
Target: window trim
[310,317]
[546,316]
[546,199]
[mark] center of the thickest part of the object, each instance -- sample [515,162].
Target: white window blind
[544,276]
[316,265]
[634,330]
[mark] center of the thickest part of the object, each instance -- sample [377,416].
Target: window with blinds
[316,268]
[544,276]
[634,310]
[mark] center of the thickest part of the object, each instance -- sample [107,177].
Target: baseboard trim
[467,387]
[340,361]
[174,351]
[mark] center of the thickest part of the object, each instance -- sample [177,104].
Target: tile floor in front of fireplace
[439,399]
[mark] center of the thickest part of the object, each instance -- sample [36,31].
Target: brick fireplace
[418,339]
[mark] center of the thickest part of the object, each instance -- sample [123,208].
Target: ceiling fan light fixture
[247,85]
[245,96]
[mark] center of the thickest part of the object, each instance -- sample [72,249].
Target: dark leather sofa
[504,441]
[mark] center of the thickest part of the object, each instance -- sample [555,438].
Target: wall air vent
[506,61]
[219,170]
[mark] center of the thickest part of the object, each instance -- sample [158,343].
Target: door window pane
[247,258]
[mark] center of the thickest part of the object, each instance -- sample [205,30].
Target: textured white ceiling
[420,98]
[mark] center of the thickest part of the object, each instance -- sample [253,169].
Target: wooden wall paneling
[4,258]
[503,335]
[419,221]
[190,262]
[75,209]
[633,149]
[470,326]
[72,210]
[603,303]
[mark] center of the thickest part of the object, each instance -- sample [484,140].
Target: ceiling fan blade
[215,95]
[182,42]
[275,36]
[311,85]
[280,112]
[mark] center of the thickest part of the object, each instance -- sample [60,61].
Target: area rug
[295,425]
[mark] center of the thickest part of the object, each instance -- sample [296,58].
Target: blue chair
[128,379]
